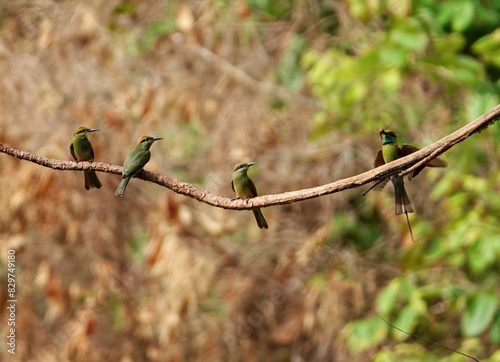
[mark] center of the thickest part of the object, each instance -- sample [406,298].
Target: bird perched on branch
[81,150]
[245,189]
[135,161]
[392,151]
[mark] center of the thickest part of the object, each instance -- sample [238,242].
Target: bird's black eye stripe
[81,131]
[145,139]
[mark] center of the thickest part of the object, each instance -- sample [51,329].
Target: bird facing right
[135,161]
[81,150]
[244,188]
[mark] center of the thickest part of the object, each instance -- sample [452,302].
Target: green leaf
[495,329]
[387,298]
[481,255]
[466,69]
[409,35]
[463,17]
[366,333]
[417,303]
[459,14]
[390,80]
[395,57]
[479,314]
[407,288]
[450,43]
[407,321]
[488,47]
[487,43]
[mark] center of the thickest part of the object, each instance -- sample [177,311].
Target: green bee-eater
[81,150]
[392,151]
[244,188]
[135,161]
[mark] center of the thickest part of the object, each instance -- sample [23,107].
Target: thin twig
[429,341]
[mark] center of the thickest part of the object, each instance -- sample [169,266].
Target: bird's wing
[232,185]
[135,162]
[381,184]
[378,185]
[379,159]
[252,187]
[406,150]
[436,162]
[72,150]
[91,149]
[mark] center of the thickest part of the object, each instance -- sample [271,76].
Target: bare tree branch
[403,166]
[243,78]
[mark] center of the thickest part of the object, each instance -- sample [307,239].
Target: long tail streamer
[409,227]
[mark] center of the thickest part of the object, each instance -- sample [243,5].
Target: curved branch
[445,143]
[403,166]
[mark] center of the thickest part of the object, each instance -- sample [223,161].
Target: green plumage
[390,152]
[244,188]
[135,161]
[81,150]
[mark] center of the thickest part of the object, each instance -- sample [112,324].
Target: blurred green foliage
[451,48]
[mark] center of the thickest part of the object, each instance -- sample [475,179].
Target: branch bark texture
[402,166]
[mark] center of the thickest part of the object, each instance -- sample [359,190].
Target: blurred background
[300,88]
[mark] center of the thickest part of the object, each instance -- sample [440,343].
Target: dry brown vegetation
[155,276]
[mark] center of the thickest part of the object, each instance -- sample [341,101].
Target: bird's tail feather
[403,203]
[91,180]
[261,221]
[409,227]
[120,190]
